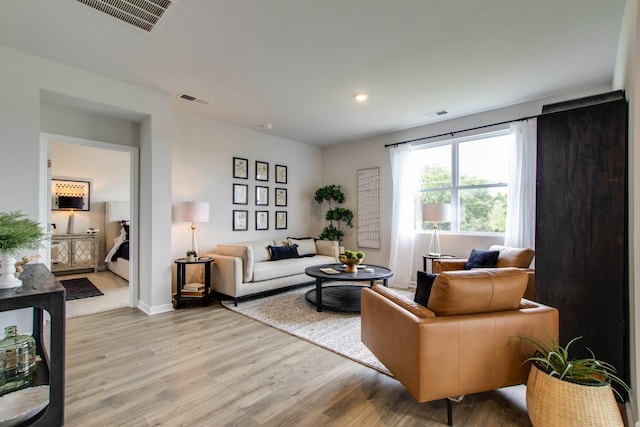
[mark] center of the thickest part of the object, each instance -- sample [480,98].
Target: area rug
[291,313]
[80,288]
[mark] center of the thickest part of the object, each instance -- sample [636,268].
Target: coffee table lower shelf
[345,298]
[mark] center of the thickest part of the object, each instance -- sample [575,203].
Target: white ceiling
[297,63]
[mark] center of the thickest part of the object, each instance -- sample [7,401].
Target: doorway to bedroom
[106,218]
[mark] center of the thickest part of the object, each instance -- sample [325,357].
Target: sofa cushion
[513,257]
[306,246]
[481,259]
[283,252]
[261,249]
[286,267]
[423,287]
[477,291]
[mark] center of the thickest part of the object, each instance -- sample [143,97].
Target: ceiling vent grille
[191,98]
[144,14]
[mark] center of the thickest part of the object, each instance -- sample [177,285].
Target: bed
[116,238]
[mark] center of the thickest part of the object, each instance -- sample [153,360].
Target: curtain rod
[395,144]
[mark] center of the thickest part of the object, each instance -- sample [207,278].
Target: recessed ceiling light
[266,126]
[361,97]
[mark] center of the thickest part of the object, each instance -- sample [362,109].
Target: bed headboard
[114,212]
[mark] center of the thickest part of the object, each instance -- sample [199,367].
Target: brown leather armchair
[465,341]
[508,257]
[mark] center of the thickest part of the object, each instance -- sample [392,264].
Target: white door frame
[45,198]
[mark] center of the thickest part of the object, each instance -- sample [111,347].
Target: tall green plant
[342,216]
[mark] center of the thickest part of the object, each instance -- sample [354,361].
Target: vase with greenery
[351,259]
[191,256]
[562,390]
[17,232]
[341,216]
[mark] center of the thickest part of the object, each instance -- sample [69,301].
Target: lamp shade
[69,202]
[436,212]
[191,212]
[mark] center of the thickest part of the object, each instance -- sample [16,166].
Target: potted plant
[191,256]
[351,259]
[17,232]
[562,390]
[331,194]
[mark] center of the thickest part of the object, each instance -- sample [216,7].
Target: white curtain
[521,204]
[402,232]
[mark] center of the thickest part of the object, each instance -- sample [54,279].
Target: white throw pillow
[305,246]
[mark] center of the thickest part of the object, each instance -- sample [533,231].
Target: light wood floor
[208,366]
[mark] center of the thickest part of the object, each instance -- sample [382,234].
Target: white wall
[22,79]
[340,164]
[203,151]
[627,74]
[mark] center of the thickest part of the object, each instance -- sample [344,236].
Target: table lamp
[71,203]
[191,212]
[435,212]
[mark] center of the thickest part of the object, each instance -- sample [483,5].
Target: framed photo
[262,220]
[70,195]
[281,220]
[262,171]
[240,194]
[240,168]
[262,195]
[281,174]
[281,197]
[240,220]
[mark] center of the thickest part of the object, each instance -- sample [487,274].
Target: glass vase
[17,360]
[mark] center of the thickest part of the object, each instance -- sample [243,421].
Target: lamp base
[434,246]
[70,223]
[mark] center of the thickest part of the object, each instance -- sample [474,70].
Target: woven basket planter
[554,402]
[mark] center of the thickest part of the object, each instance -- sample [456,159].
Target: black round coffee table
[342,297]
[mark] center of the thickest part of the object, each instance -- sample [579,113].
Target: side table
[181,278]
[432,257]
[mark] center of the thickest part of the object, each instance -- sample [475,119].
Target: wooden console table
[42,291]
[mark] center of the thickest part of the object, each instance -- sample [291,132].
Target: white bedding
[115,212]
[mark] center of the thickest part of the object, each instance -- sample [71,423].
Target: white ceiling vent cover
[191,98]
[144,14]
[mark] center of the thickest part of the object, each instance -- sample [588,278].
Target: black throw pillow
[423,287]
[481,259]
[283,252]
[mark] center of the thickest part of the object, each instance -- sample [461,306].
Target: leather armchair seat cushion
[477,291]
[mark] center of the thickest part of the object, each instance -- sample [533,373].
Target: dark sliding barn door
[581,223]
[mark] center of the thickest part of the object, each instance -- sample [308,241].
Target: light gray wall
[340,164]
[23,78]
[627,75]
[203,151]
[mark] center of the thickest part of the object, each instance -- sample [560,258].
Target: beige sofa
[246,269]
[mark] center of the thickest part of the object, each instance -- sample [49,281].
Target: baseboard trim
[151,310]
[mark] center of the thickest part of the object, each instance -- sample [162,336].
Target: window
[472,175]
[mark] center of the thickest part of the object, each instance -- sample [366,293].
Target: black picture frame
[240,194]
[240,220]
[262,195]
[262,220]
[71,189]
[281,197]
[281,220]
[262,171]
[240,168]
[281,174]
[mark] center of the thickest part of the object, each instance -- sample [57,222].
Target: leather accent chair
[465,341]
[508,257]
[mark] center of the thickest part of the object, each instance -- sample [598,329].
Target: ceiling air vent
[434,114]
[188,97]
[144,14]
